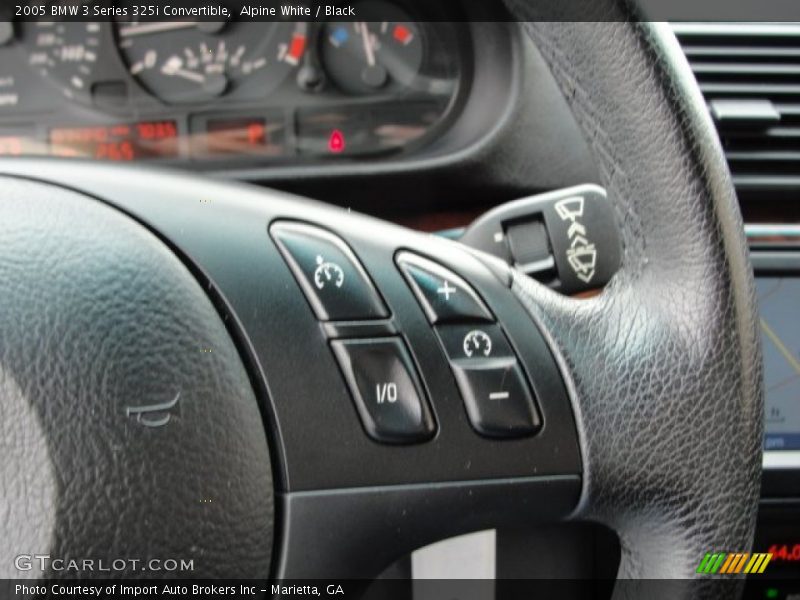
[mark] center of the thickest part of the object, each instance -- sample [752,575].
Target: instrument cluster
[222,91]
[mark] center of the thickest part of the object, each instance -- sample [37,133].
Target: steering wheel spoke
[410,394]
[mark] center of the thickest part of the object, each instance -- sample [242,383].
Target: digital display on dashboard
[120,142]
[18,142]
[779,301]
[240,136]
[11,145]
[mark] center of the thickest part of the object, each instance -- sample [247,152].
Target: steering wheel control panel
[384,382]
[496,395]
[387,391]
[232,91]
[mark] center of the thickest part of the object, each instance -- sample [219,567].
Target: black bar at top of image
[782,11]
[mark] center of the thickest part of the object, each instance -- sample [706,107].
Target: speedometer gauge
[195,62]
[65,52]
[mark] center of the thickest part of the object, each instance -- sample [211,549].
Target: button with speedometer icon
[198,61]
[477,342]
[467,342]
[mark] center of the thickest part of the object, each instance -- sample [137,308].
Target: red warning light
[256,135]
[403,34]
[336,142]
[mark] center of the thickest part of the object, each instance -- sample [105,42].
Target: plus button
[446,290]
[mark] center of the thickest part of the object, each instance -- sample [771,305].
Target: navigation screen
[779,299]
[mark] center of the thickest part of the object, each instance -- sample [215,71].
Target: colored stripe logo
[732,563]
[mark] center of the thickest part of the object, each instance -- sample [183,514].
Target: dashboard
[237,93]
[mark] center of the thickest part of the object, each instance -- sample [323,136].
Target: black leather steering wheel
[666,364]
[165,385]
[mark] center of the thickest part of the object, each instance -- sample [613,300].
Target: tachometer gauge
[195,62]
[367,57]
[65,52]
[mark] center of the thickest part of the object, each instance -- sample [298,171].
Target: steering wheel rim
[677,324]
[670,348]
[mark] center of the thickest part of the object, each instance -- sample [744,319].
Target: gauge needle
[373,75]
[174,67]
[157,27]
[368,50]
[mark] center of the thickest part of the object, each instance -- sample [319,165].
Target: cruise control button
[498,401]
[334,282]
[386,390]
[474,341]
[444,296]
